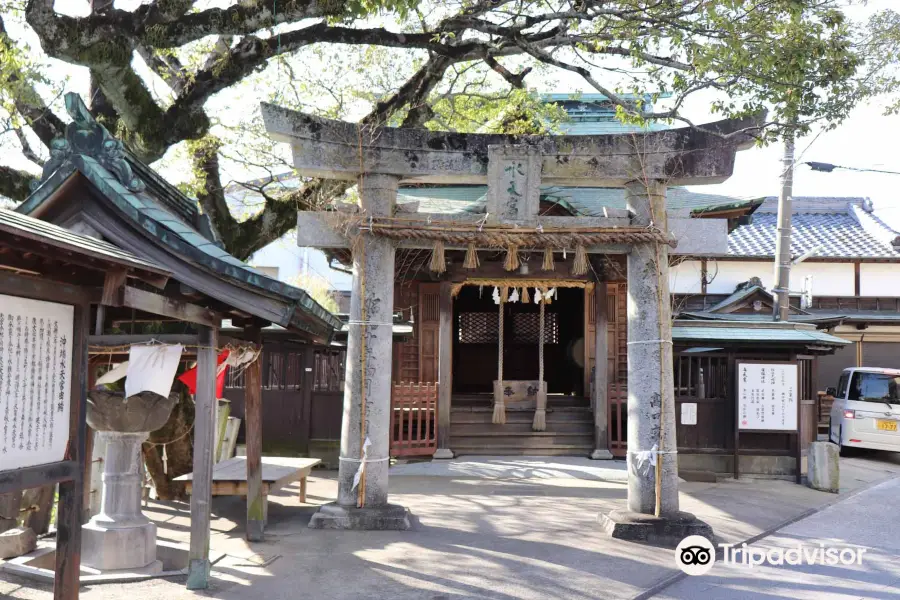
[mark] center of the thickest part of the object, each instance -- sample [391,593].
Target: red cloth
[189,377]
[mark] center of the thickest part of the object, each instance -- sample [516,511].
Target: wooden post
[445,372]
[600,401]
[256,500]
[204,440]
[68,532]
[93,365]
[308,379]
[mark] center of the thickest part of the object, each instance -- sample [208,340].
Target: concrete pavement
[865,521]
[504,528]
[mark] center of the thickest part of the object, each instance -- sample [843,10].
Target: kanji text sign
[35,381]
[767,396]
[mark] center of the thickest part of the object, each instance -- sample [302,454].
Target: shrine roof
[757,332]
[158,211]
[18,226]
[588,202]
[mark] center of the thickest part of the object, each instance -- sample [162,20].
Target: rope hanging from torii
[542,298]
[506,237]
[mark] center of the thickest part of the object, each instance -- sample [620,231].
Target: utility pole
[783,235]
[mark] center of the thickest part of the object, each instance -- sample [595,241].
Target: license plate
[883,425]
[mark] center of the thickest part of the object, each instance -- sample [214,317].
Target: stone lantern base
[120,548]
[120,537]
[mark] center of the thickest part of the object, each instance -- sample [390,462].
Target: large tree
[180,79]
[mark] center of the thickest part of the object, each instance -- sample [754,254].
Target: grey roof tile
[839,234]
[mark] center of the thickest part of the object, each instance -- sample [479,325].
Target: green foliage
[881,46]
[318,288]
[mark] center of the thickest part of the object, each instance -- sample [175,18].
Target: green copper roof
[697,331]
[588,202]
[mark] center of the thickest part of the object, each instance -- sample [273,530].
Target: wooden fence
[617,418]
[414,419]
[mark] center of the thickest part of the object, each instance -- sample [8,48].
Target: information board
[35,381]
[767,396]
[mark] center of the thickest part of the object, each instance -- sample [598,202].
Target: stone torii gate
[514,167]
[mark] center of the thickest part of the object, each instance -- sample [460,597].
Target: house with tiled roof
[845,279]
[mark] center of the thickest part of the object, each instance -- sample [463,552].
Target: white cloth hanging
[537,296]
[152,368]
[514,296]
[496,295]
[551,293]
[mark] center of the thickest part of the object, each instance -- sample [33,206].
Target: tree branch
[169,68]
[515,80]
[27,150]
[240,19]
[205,155]
[15,184]
[280,214]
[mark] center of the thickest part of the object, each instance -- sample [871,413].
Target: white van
[866,410]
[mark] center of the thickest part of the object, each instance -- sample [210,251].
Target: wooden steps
[570,429]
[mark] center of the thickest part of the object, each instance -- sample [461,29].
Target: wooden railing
[414,419]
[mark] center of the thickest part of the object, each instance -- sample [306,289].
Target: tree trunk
[177,438]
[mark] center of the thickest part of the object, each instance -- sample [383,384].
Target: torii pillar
[652,459]
[379,159]
[362,501]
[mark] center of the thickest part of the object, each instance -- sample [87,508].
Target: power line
[823,167]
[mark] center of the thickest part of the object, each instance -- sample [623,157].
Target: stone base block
[17,542]
[443,454]
[824,467]
[391,517]
[118,549]
[601,454]
[664,531]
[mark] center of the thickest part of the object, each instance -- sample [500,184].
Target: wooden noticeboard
[43,374]
[767,401]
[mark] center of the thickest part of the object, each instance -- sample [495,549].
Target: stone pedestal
[120,537]
[824,467]
[651,400]
[666,530]
[369,384]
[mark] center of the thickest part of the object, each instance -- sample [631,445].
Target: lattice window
[527,325]
[329,370]
[478,328]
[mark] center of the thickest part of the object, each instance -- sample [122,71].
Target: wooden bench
[230,476]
